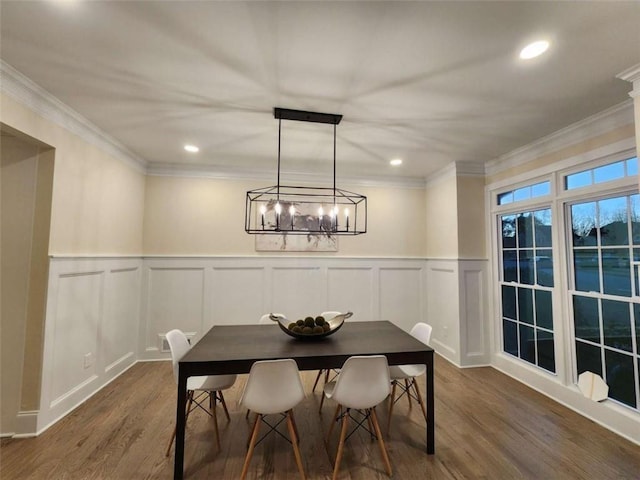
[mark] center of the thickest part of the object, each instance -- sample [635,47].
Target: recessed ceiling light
[191,148]
[534,49]
[395,162]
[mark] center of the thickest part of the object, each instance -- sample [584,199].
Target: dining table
[233,349]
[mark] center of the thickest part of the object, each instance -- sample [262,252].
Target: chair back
[274,386]
[265,319]
[422,331]
[363,382]
[179,345]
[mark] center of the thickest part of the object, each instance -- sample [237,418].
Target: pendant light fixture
[305,210]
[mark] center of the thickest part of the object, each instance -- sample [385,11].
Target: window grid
[602,174]
[618,358]
[524,193]
[528,233]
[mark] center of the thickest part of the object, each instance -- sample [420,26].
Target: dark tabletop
[234,348]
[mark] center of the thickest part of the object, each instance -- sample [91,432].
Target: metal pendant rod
[334,163]
[279,135]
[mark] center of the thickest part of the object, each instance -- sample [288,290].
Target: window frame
[558,202]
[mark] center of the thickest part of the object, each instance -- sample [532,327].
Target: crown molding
[305,178]
[600,123]
[470,169]
[36,98]
[632,75]
[457,169]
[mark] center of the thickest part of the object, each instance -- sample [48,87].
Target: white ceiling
[428,82]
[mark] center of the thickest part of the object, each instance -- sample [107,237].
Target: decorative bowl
[334,325]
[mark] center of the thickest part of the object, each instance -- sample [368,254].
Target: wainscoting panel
[75,332]
[121,318]
[175,299]
[349,289]
[237,294]
[474,331]
[238,290]
[297,292]
[442,308]
[400,292]
[90,333]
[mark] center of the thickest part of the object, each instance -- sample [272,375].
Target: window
[526,287]
[605,245]
[524,193]
[595,292]
[605,173]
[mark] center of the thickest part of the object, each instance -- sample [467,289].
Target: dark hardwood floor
[487,426]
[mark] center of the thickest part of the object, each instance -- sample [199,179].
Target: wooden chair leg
[371,430]
[420,401]
[383,449]
[315,384]
[321,403]
[295,426]
[343,434]
[252,444]
[224,406]
[294,442]
[333,421]
[392,398]
[173,435]
[214,412]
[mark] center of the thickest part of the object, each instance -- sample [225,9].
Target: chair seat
[401,372]
[210,383]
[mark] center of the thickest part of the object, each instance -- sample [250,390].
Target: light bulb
[292,210]
[278,208]
[263,209]
[320,211]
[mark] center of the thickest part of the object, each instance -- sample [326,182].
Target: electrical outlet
[88,360]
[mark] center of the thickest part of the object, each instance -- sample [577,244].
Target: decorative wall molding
[600,123]
[91,327]
[632,75]
[268,176]
[36,98]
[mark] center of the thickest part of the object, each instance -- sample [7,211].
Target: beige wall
[204,216]
[471,217]
[98,200]
[27,174]
[442,218]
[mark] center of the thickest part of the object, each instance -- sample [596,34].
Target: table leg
[180,426]
[431,419]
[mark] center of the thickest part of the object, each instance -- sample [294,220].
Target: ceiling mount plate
[303,116]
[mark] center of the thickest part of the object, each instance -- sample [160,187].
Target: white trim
[632,75]
[306,178]
[610,119]
[36,98]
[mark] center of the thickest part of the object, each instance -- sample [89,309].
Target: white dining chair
[273,387]
[363,383]
[326,371]
[404,376]
[198,388]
